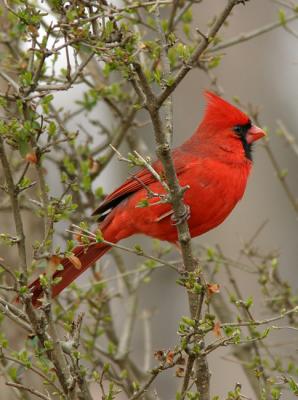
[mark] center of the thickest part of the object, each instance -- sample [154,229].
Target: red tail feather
[87,257]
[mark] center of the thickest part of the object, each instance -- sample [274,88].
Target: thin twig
[244,37]
[291,140]
[139,252]
[34,369]
[260,322]
[28,389]
[201,47]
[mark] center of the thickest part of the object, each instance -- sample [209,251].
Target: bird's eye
[237,129]
[241,130]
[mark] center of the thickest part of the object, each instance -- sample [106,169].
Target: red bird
[215,163]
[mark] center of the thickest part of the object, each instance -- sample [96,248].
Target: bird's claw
[184,217]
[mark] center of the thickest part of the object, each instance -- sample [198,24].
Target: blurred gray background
[263,72]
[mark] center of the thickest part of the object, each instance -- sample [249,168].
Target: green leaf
[99,192]
[111,348]
[3,341]
[188,321]
[282,17]
[139,249]
[210,254]
[109,27]
[106,367]
[157,76]
[45,103]
[26,78]
[214,62]
[57,280]
[99,236]
[25,182]
[293,386]
[44,281]
[52,129]
[276,393]
[24,358]
[186,30]
[13,373]
[249,302]
[48,344]
[23,147]
[187,16]
[3,102]
[183,51]
[164,25]
[142,203]
[23,290]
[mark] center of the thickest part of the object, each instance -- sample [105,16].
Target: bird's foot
[184,217]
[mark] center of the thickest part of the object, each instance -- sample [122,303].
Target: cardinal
[214,163]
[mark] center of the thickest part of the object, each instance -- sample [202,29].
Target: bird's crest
[219,113]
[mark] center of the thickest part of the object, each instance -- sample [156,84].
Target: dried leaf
[31,158]
[159,355]
[54,261]
[180,372]
[170,357]
[75,261]
[216,329]
[181,361]
[78,237]
[94,166]
[97,275]
[33,30]
[212,288]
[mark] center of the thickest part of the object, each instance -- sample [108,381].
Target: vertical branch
[58,356]
[44,195]
[181,214]
[126,336]
[173,14]
[167,107]
[147,339]
[13,194]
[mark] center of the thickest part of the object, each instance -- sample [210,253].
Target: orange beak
[254,133]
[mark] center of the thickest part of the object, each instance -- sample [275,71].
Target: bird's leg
[184,217]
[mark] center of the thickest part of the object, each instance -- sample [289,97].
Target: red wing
[136,182]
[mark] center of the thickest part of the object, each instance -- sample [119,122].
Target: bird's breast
[213,194]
